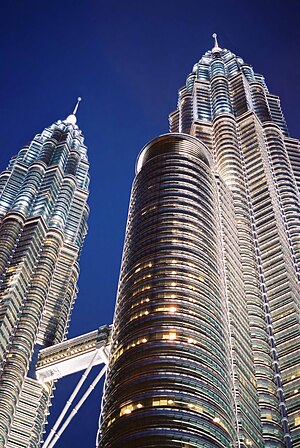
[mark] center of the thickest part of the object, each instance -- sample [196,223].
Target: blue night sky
[127,59]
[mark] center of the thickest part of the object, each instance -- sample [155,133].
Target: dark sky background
[127,59]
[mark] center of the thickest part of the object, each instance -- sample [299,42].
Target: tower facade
[43,214]
[206,335]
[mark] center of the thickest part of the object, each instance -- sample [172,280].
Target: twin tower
[205,343]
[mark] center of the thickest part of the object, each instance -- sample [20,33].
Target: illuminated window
[126,410]
[172,336]
[162,402]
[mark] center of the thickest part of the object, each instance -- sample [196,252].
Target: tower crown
[222,83]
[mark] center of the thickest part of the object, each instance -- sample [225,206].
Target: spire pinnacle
[72,118]
[77,105]
[216,47]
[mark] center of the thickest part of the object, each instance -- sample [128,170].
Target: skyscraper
[43,214]
[206,334]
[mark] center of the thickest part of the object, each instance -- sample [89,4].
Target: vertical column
[242,283]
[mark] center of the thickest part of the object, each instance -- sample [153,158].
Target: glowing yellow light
[172,336]
[147,300]
[144,340]
[146,313]
[293,377]
[139,405]
[173,309]
[216,420]
[170,402]
[173,272]
[191,341]
[127,411]
[296,391]
[173,284]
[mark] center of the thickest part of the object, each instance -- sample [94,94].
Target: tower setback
[206,334]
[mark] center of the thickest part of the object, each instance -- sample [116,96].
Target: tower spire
[72,118]
[216,47]
[77,105]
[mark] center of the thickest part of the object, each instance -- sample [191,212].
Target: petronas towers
[43,213]
[206,337]
[205,343]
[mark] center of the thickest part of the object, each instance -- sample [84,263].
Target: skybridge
[73,355]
